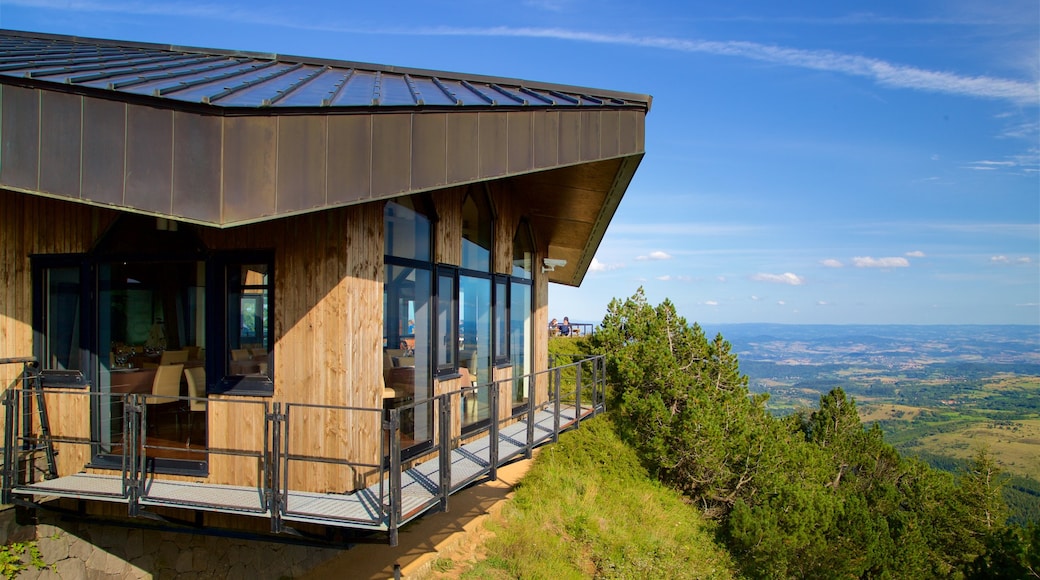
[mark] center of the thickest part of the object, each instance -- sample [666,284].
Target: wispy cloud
[832,263]
[597,266]
[785,278]
[655,256]
[1002,259]
[711,302]
[881,72]
[868,262]
[915,254]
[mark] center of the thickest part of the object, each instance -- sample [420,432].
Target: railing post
[10,431]
[577,394]
[28,376]
[393,425]
[444,438]
[272,456]
[493,389]
[530,417]
[135,435]
[556,404]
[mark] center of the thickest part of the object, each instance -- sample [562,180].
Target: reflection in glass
[520,336]
[475,342]
[151,324]
[406,354]
[476,232]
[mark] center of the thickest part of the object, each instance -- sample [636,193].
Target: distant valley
[938,392]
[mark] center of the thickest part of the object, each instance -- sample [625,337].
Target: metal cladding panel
[391,152]
[492,144]
[250,146]
[520,148]
[104,150]
[196,166]
[590,135]
[20,129]
[149,159]
[546,138]
[609,122]
[301,163]
[60,141]
[570,138]
[350,158]
[429,150]
[462,143]
[630,138]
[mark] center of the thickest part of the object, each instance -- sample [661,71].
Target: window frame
[449,368]
[501,320]
[220,266]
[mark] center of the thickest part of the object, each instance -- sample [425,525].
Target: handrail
[579,385]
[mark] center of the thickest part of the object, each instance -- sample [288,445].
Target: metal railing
[575,390]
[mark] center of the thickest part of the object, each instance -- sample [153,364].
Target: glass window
[501,320]
[62,314]
[407,229]
[523,252]
[475,340]
[520,340]
[406,355]
[477,231]
[249,314]
[446,347]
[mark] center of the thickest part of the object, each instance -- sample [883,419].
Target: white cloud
[658,255]
[597,266]
[1024,260]
[785,278]
[781,302]
[755,298]
[999,259]
[868,262]
[822,303]
[711,303]
[664,278]
[721,279]
[832,263]
[915,254]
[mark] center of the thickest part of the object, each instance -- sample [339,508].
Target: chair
[196,378]
[170,357]
[166,386]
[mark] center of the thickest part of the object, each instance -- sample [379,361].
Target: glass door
[151,341]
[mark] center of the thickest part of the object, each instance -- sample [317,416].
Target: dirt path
[458,535]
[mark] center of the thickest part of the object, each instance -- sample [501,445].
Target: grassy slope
[587,509]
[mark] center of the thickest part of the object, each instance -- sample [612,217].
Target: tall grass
[587,508]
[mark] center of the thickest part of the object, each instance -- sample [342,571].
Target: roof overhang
[224,166]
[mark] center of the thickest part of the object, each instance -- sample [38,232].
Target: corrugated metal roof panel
[239,80]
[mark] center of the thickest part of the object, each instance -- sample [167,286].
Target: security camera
[550,264]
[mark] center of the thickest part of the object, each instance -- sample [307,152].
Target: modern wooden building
[284,275]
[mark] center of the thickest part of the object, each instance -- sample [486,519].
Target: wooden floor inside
[420,484]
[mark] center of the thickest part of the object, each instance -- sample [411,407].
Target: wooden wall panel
[540,322]
[328,337]
[448,229]
[35,225]
[508,218]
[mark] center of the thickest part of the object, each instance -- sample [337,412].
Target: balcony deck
[359,510]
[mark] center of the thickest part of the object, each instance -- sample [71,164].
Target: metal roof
[231,80]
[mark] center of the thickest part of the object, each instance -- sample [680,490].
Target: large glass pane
[406,352]
[249,320]
[446,347]
[151,325]
[61,319]
[523,252]
[476,233]
[475,342]
[501,321]
[520,341]
[407,231]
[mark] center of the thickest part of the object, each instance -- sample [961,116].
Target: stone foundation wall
[76,550]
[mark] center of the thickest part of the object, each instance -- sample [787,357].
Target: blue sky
[807,162]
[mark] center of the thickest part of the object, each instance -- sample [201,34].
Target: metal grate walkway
[361,510]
